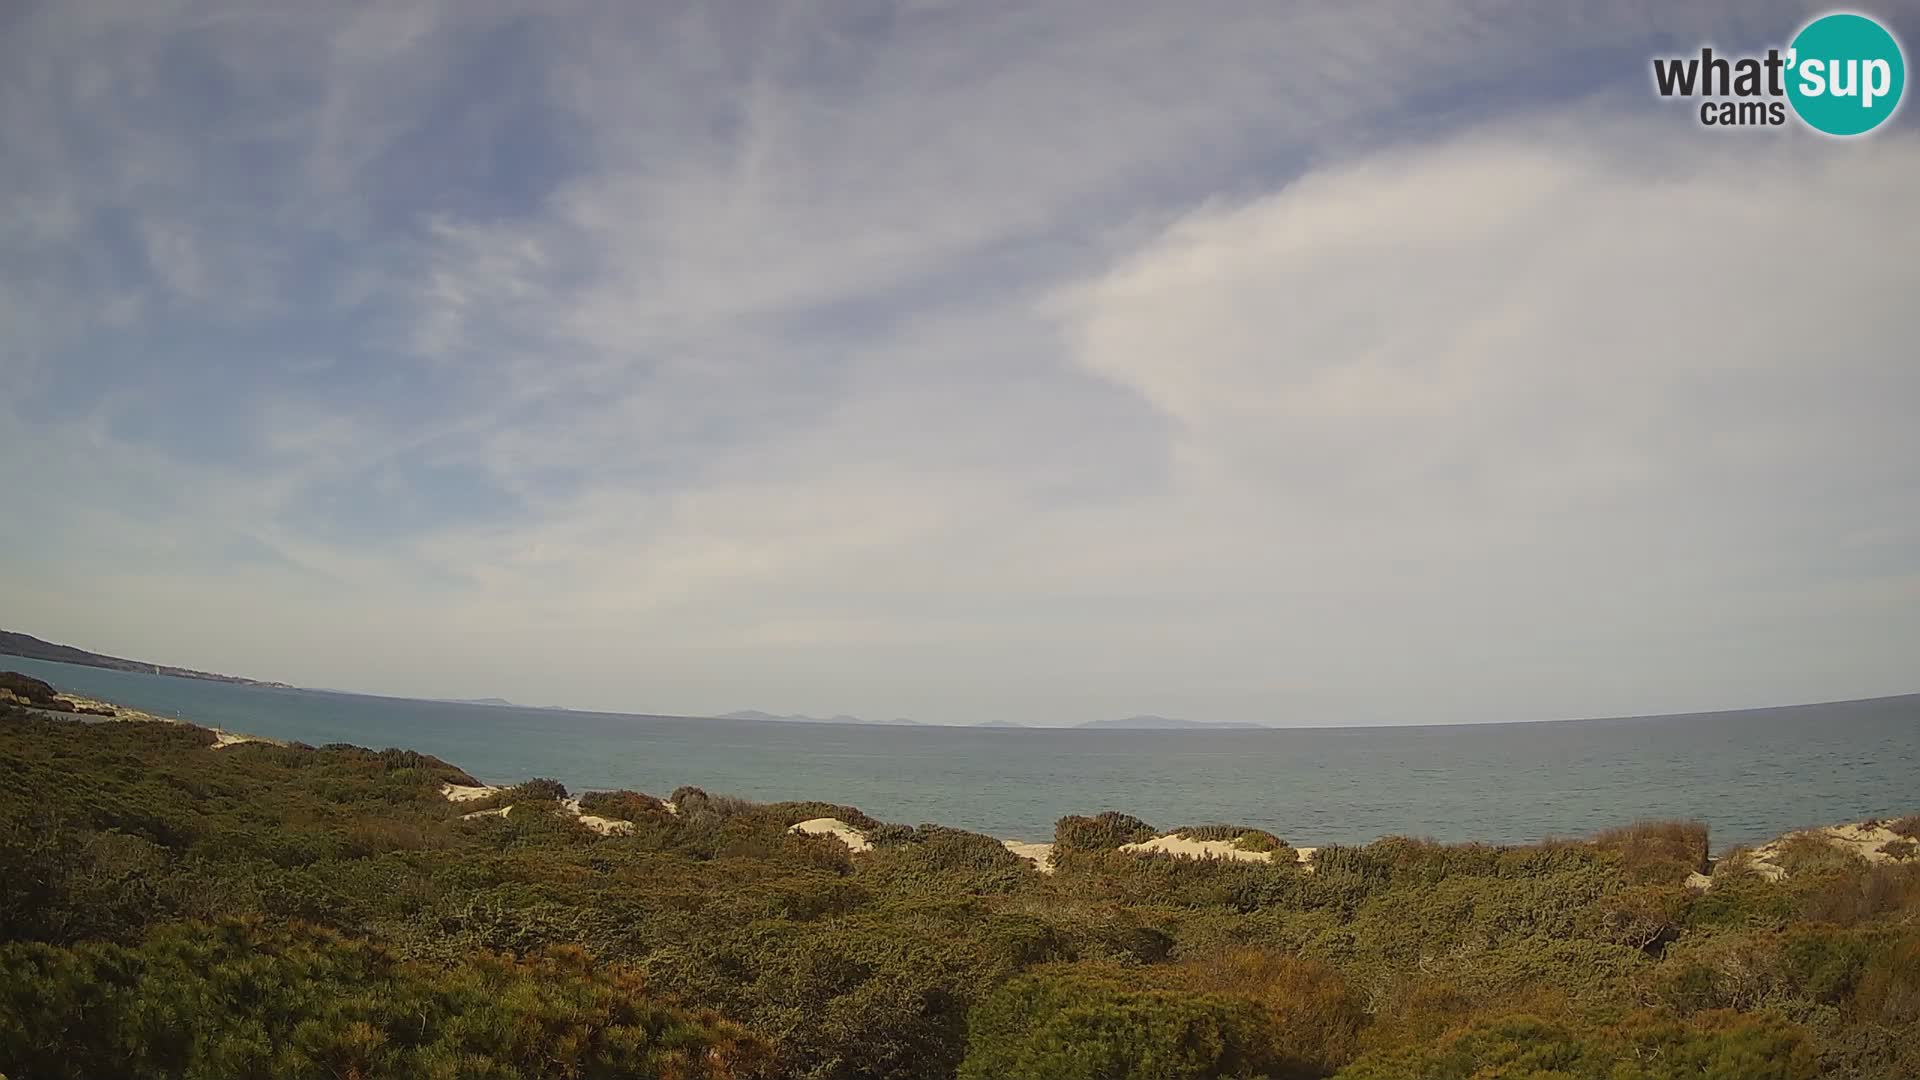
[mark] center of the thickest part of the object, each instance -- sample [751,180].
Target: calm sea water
[1750,775]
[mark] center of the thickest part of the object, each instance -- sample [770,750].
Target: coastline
[1873,840]
[934,943]
[66,704]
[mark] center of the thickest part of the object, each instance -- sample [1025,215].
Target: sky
[957,360]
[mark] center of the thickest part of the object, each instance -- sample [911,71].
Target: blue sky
[959,361]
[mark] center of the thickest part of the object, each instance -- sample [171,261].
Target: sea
[1750,775]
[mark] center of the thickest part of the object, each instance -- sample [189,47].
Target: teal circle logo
[1845,73]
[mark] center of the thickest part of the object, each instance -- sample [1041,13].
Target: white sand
[1864,839]
[1040,855]
[1196,849]
[607,826]
[463,793]
[221,739]
[826,826]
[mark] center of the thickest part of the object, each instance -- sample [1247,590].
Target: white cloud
[974,363]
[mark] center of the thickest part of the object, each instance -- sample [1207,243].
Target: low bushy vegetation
[623,806]
[236,999]
[172,910]
[1104,831]
[1658,851]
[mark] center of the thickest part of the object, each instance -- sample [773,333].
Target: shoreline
[1870,839]
[1874,841]
[93,710]
[741,909]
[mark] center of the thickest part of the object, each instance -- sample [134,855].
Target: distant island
[798,718]
[15,644]
[1150,723]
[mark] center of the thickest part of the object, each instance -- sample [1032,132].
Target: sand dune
[826,826]
[464,793]
[1196,849]
[1866,839]
[459,793]
[1040,855]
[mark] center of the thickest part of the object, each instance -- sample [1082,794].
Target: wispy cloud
[952,360]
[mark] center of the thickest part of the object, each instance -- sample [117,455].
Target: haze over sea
[1750,774]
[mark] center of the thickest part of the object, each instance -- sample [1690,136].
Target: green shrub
[1711,1046]
[1104,831]
[887,835]
[1661,852]
[539,789]
[793,813]
[1314,1019]
[1643,917]
[1855,891]
[1260,840]
[1209,832]
[1244,838]
[1071,1027]
[1741,897]
[237,999]
[1886,990]
[623,806]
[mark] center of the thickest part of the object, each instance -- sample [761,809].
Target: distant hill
[493,701]
[1149,723]
[14,644]
[797,718]
[1000,723]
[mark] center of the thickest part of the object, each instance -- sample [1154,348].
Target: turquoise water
[1750,775]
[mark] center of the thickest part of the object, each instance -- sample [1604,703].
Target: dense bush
[1711,1046]
[1261,840]
[235,999]
[1313,1019]
[1658,851]
[1210,832]
[539,788]
[1104,831]
[1073,1027]
[623,805]
[1244,838]
[286,910]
